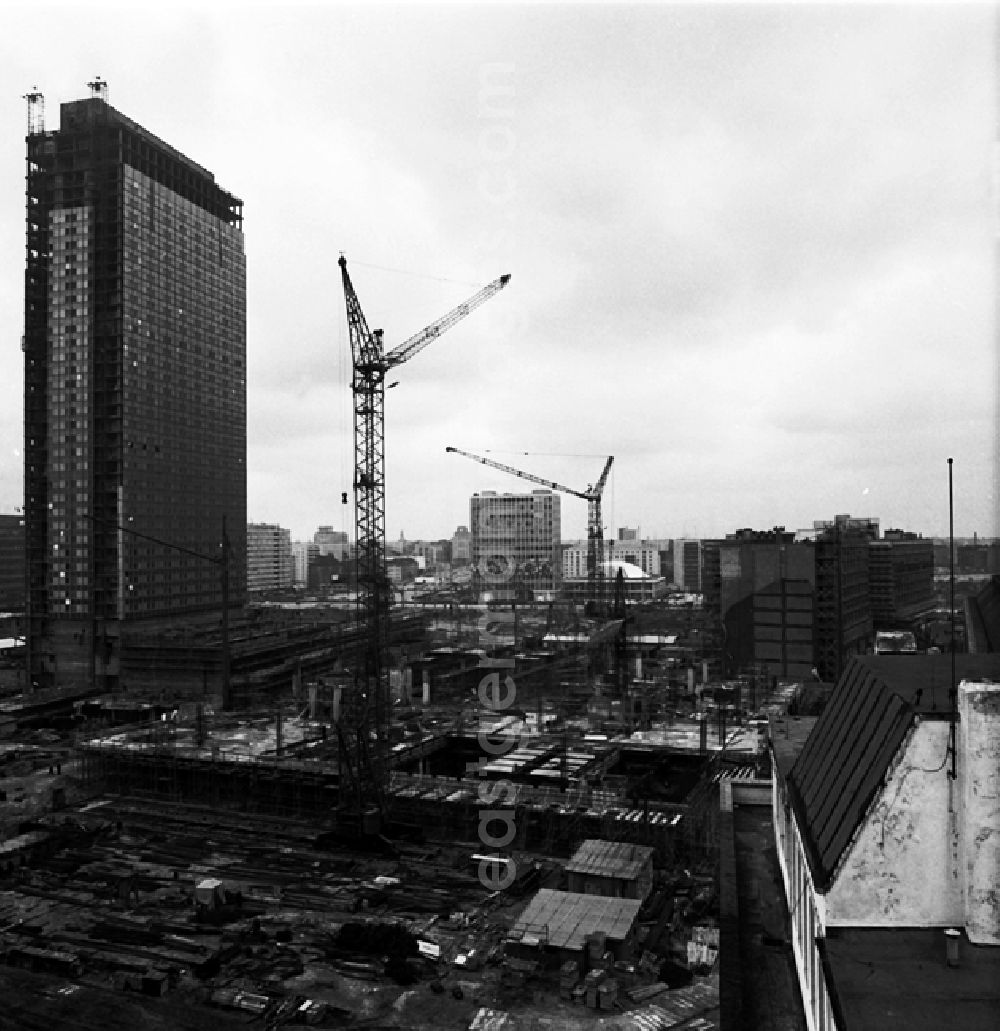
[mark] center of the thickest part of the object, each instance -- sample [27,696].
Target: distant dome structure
[629,570]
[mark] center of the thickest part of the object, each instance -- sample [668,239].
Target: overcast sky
[752,247]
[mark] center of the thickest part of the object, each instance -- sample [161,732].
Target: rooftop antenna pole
[953,693]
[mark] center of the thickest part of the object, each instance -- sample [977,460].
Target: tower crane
[367,708]
[595,526]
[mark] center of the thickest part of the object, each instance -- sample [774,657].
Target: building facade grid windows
[515,544]
[134,390]
[270,566]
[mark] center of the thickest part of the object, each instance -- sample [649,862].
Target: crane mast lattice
[595,524]
[365,711]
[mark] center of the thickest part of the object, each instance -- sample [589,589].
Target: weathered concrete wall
[904,869]
[751,792]
[979,773]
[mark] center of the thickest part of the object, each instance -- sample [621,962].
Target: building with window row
[901,575]
[645,555]
[269,558]
[134,391]
[11,563]
[515,545]
[687,564]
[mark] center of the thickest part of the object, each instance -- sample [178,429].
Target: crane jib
[364,755]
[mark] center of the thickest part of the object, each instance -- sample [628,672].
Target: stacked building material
[569,973]
[607,993]
[591,986]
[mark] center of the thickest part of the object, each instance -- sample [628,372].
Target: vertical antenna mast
[36,111]
[953,693]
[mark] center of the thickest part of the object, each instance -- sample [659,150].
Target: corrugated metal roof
[570,916]
[840,770]
[609,859]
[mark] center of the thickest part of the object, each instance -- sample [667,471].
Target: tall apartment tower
[134,391]
[270,566]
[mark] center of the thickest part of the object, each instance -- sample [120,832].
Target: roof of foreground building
[839,771]
[900,978]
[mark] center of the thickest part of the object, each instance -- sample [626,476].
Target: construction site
[207,867]
[492,815]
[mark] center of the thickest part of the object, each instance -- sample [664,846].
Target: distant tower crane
[367,707]
[595,525]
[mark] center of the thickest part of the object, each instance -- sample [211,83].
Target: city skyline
[751,249]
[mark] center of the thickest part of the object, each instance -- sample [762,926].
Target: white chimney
[979,770]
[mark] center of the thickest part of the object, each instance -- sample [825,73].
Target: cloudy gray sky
[752,247]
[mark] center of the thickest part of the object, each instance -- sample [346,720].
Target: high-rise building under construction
[134,390]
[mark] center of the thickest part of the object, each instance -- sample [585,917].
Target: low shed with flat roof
[565,921]
[612,868]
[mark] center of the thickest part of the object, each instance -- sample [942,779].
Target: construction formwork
[262,784]
[544,819]
[146,763]
[288,769]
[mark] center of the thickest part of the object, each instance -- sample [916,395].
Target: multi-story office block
[901,575]
[303,555]
[134,391]
[687,564]
[753,562]
[515,544]
[843,610]
[644,555]
[867,526]
[332,542]
[269,558]
[461,546]
[711,577]
[790,605]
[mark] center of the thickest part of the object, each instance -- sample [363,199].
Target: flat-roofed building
[789,604]
[687,564]
[901,579]
[645,555]
[303,554]
[269,557]
[515,545]
[329,541]
[561,924]
[615,869]
[461,547]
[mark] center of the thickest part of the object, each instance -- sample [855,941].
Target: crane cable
[345,427]
[544,454]
[416,275]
